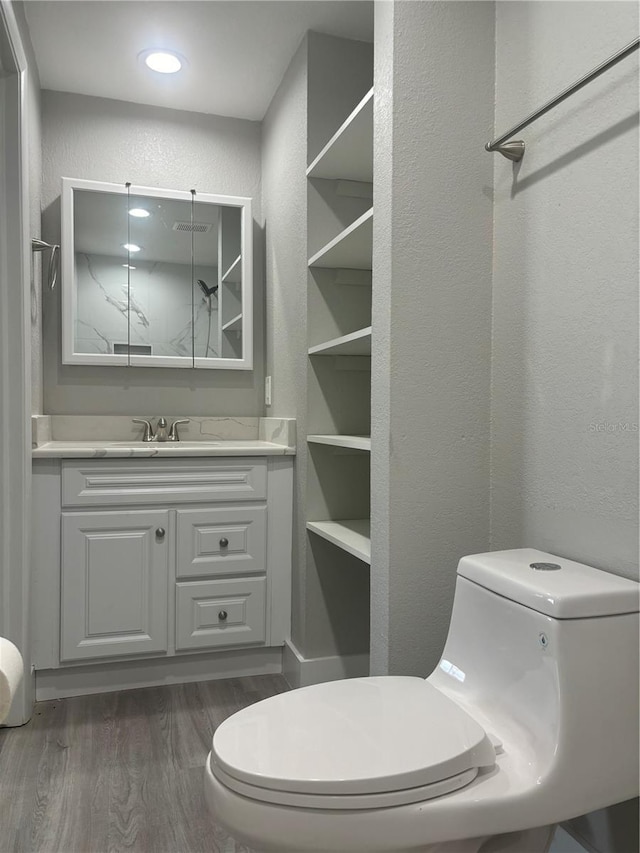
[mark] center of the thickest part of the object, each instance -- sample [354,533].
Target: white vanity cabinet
[159,558]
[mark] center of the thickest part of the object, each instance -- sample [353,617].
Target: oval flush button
[545,567]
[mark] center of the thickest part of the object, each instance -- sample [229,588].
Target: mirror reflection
[157,280]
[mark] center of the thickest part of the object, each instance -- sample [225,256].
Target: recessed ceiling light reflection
[139,212]
[128,266]
[131,247]
[163,61]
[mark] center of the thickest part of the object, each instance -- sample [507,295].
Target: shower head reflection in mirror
[208,291]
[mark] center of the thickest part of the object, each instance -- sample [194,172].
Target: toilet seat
[358,743]
[345,801]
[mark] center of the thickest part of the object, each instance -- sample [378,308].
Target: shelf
[349,152]
[355,343]
[352,535]
[351,249]
[234,325]
[234,274]
[353,442]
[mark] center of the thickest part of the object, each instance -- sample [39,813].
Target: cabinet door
[114,583]
[221,541]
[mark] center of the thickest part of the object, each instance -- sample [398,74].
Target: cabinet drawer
[220,613]
[104,482]
[221,540]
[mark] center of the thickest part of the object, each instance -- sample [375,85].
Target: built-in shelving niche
[352,535]
[354,343]
[348,442]
[349,152]
[338,495]
[340,233]
[350,249]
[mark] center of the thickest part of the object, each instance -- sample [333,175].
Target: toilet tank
[543,652]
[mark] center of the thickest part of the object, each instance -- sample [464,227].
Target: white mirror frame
[69,290]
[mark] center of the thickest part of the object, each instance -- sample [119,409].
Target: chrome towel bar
[514,150]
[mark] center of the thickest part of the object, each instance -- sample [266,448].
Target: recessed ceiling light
[162,61]
[139,212]
[128,266]
[131,247]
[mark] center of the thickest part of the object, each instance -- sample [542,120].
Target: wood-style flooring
[119,771]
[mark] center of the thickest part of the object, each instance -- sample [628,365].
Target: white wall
[434,81]
[564,473]
[114,141]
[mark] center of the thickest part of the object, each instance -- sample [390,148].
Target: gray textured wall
[284,161]
[434,80]
[34,132]
[106,140]
[565,306]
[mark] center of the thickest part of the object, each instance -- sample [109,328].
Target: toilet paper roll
[11,670]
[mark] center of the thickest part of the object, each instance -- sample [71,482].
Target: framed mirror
[155,278]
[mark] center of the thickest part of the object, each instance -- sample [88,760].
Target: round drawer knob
[222,616]
[160,531]
[224,542]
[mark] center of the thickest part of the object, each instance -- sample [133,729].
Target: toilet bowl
[529,719]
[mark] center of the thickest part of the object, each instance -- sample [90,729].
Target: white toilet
[530,718]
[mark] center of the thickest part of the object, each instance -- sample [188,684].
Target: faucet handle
[148,429]
[173,432]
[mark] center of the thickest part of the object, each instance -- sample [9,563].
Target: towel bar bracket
[515,150]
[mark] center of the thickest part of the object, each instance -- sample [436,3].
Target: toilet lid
[358,736]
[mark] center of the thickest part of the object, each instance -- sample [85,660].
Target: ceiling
[237,50]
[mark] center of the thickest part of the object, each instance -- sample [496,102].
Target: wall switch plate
[267,390]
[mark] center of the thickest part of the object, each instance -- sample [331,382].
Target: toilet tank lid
[574,591]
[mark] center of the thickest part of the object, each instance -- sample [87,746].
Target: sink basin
[186,445]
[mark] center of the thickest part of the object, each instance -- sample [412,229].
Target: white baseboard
[301,672]
[565,843]
[128,675]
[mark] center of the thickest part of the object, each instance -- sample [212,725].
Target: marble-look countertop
[85,437]
[140,450]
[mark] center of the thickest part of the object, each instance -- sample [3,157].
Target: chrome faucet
[161,430]
[161,433]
